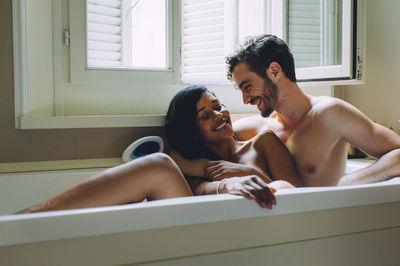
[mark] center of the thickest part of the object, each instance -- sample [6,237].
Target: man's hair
[180,124]
[258,52]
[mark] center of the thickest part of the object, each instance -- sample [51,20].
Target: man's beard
[269,98]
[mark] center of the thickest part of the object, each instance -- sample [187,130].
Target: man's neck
[292,105]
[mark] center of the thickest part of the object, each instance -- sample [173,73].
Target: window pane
[251,18]
[127,33]
[314,32]
[149,44]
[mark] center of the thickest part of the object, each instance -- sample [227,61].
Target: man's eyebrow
[243,83]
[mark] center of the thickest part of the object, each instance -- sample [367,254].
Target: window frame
[62,117]
[276,23]
[80,73]
[336,72]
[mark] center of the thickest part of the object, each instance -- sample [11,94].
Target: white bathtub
[357,225]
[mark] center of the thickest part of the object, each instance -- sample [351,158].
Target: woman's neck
[225,149]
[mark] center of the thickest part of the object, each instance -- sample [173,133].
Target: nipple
[310,169]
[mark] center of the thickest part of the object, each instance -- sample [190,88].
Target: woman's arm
[278,160]
[251,187]
[218,170]
[214,170]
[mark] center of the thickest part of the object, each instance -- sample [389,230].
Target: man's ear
[274,71]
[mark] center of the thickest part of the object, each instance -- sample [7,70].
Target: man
[315,130]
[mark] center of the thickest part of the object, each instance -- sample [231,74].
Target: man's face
[256,90]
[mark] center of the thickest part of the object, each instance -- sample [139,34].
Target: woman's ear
[274,71]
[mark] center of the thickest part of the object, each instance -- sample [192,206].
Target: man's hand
[218,170]
[251,187]
[194,167]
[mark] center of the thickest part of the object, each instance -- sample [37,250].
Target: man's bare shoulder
[249,127]
[251,120]
[340,117]
[328,107]
[323,103]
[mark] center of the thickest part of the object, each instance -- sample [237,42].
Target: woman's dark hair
[180,124]
[258,52]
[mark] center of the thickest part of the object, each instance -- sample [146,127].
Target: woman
[198,125]
[152,177]
[156,176]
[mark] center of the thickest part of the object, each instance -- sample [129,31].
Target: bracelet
[219,183]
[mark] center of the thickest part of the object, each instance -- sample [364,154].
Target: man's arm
[385,168]
[248,127]
[372,138]
[244,128]
[214,170]
[195,167]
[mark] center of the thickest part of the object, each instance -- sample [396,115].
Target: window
[207,36]
[314,32]
[319,34]
[99,63]
[106,40]
[131,34]
[122,41]
[127,33]
[317,31]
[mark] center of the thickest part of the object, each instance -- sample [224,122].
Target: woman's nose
[217,113]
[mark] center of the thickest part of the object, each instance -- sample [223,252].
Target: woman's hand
[218,170]
[251,187]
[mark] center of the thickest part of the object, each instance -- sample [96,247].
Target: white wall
[379,97]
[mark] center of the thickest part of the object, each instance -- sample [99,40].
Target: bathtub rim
[57,225]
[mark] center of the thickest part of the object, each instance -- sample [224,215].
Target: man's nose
[246,98]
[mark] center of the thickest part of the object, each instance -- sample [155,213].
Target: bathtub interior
[326,213]
[19,190]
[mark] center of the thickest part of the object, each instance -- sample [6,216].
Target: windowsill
[57,165]
[305,84]
[97,121]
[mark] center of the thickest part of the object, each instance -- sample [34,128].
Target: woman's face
[213,120]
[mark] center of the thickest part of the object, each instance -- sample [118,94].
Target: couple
[308,145]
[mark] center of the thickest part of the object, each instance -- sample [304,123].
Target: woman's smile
[224,123]
[213,119]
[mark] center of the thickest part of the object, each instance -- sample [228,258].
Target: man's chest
[316,151]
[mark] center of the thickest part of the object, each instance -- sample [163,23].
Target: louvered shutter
[104,32]
[207,36]
[304,32]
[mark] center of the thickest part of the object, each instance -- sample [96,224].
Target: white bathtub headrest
[142,147]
